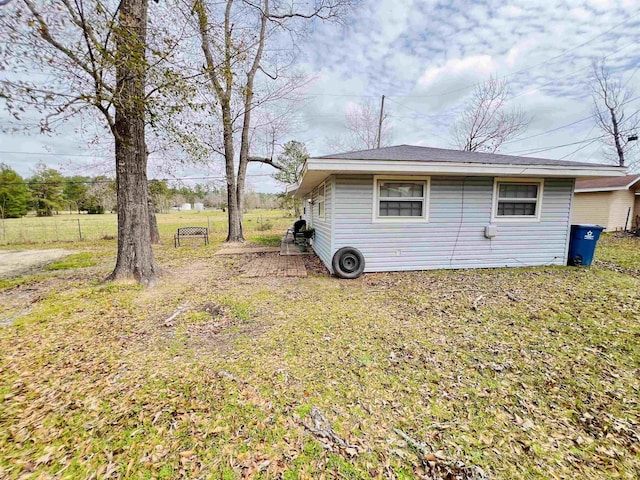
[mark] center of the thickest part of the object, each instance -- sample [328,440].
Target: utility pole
[380,121]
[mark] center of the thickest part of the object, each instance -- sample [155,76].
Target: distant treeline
[48,192]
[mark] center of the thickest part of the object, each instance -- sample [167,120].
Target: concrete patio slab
[288,247]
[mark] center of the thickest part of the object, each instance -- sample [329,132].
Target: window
[399,199]
[320,202]
[517,200]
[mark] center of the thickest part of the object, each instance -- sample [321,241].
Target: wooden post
[380,121]
[79,229]
[626,222]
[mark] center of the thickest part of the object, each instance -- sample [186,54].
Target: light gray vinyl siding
[322,237]
[454,235]
[306,209]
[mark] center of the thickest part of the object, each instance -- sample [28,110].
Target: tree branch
[268,161]
[46,35]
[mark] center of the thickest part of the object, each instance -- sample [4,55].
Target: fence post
[79,229]
[4,229]
[208,223]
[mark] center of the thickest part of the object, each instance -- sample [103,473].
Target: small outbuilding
[415,208]
[613,203]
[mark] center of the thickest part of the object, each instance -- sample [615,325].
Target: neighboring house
[607,202]
[416,208]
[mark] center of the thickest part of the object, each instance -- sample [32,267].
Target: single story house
[415,208]
[613,203]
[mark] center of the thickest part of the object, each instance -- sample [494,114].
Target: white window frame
[321,200]
[516,218]
[424,218]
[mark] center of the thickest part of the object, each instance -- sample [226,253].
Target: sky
[426,57]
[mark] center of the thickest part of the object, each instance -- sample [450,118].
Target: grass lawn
[68,227]
[524,373]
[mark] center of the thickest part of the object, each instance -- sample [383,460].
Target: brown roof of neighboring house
[608,183]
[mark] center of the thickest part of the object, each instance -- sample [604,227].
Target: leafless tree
[363,120]
[244,74]
[486,123]
[616,124]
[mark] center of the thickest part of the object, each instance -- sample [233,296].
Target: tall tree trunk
[234,212]
[135,256]
[616,137]
[246,121]
[222,82]
[153,222]
[154,233]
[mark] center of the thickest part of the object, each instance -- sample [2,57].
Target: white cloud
[580,13]
[476,66]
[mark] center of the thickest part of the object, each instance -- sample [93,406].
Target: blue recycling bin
[582,245]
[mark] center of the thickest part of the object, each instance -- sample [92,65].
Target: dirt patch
[314,265]
[19,262]
[635,272]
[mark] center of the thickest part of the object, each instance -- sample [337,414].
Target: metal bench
[191,232]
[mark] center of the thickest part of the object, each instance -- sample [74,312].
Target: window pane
[400,209]
[514,208]
[401,189]
[515,190]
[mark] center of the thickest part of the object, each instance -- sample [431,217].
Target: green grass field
[526,373]
[69,227]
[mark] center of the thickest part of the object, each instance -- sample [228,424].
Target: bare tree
[609,99]
[363,120]
[96,54]
[486,123]
[233,37]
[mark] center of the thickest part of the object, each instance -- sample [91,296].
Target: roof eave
[599,189]
[318,169]
[292,189]
[609,189]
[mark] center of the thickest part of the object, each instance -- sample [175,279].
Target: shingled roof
[429,154]
[608,183]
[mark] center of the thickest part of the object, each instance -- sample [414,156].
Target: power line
[565,126]
[111,180]
[570,74]
[56,154]
[550,131]
[560,55]
[526,92]
[579,148]
[544,149]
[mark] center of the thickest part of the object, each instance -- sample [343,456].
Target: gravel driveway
[17,262]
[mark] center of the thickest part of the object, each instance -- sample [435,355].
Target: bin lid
[587,226]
